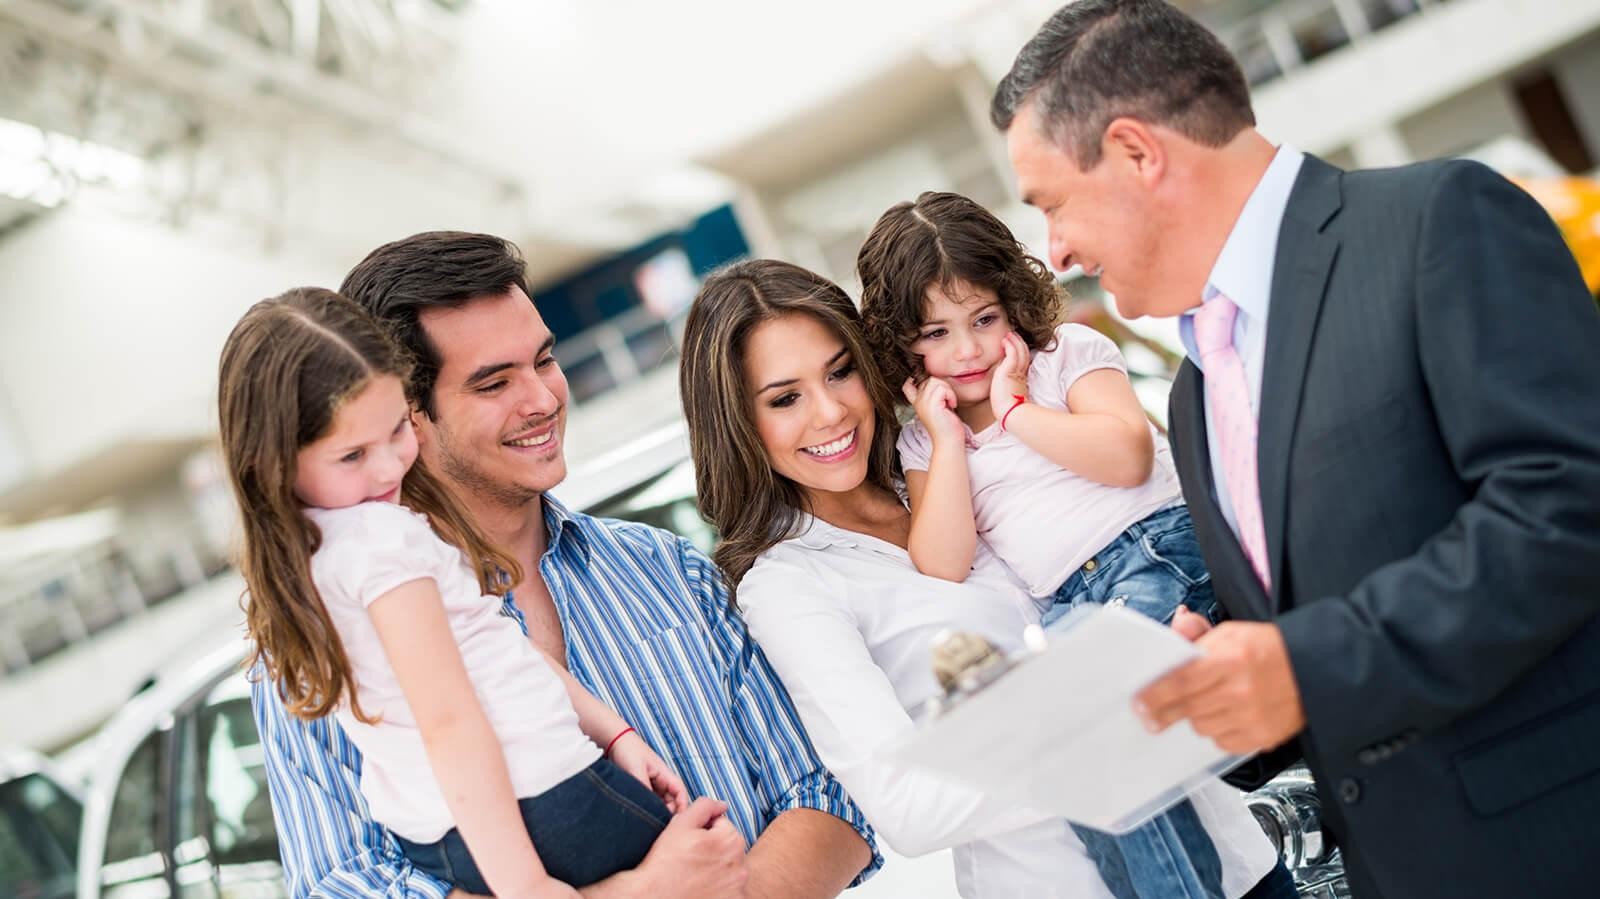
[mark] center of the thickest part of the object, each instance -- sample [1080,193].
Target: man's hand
[1241,693]
[700,854]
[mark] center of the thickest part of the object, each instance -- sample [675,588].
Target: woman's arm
[944,536]
[462,747]
[851,712]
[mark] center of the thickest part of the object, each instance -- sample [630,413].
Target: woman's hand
[1010,379]
[935,404]
[633,755]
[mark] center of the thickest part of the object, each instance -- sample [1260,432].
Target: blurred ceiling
[577,127]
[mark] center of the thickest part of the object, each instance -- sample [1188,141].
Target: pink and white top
[1039,518]
[368,550]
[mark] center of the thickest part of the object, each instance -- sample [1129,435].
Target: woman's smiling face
[810,406]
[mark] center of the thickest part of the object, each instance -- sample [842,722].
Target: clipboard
[1056,732]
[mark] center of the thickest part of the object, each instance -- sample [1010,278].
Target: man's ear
[421,425]
[1135,148]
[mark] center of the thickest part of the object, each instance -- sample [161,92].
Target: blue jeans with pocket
[592,825]
[1152,567]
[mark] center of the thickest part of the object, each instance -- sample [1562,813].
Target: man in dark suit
[1388,433]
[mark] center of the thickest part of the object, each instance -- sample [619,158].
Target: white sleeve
[915,447]
[1079,350]
[851,712]
[370,549]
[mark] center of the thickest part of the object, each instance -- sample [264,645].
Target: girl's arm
[1106,436]
[630,753]
[944,537]
[462,747]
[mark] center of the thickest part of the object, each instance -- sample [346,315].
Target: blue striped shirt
[648,631]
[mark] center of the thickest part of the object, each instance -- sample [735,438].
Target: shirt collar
[563,526]
[1243,270]
[814,533]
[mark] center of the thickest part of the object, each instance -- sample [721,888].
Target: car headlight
[1290,814]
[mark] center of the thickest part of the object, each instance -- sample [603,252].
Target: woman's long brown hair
[752,507]
[288,366]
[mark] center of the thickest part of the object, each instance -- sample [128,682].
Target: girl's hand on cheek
[1010,379]
[935,403]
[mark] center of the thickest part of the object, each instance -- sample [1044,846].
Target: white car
[40,816]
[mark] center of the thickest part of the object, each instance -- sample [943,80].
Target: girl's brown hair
[753,507]
[933,242]
[287,367]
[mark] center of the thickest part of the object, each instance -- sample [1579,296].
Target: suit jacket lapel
[1235,582]
[1305,258]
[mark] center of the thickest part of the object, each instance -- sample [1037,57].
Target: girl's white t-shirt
[368,550]
[1041,519]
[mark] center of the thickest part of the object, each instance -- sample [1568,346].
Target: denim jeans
[1152,567]
[588,827]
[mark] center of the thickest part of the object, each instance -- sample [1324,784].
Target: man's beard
[470,478]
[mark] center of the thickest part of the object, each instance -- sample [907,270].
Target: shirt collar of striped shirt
[563,527]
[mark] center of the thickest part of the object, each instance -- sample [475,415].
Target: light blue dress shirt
[1243,274]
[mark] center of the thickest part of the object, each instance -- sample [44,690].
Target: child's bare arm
[944,537]
[462,747]
[605,727]
[1106,436]
[598,721]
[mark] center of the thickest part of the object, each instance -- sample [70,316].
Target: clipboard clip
[965,663]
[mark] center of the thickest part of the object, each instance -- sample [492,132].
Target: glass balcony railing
[1275,39]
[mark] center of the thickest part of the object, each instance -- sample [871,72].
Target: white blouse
[846,620]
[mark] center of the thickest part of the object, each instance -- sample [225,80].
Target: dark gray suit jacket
[1429,457]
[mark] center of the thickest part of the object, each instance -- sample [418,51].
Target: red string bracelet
[1017,399]
[625,732]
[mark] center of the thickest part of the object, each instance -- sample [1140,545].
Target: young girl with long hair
[1028,439]
[371,599]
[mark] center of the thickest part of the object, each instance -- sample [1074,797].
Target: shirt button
[1090,565]
[1368,757]
[1350,791]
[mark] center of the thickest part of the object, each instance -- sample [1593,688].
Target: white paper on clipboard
[1057,732]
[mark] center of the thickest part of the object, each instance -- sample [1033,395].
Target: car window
[191,859]
[239,810]
[134,864]
[38,838]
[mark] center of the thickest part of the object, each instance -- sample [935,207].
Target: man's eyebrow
[787,381]
[486,371]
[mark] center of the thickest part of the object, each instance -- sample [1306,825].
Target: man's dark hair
[435,269]
[1095,61]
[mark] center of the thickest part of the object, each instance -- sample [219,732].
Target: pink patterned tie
[1228,393]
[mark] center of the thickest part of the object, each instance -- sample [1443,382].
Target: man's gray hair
[1095,61]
